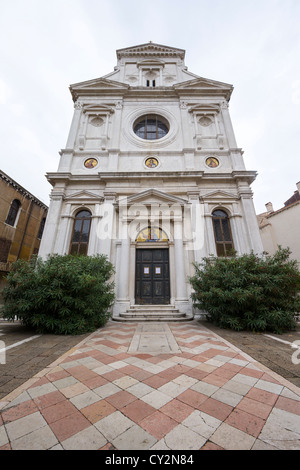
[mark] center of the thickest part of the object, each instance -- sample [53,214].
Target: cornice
[150,50]
[8,180]
[240,176]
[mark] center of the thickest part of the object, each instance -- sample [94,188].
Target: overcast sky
[252,44]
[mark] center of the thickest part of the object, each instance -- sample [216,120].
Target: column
[124,274]
[51,226]
[228,125]
[62,242]
[74,126]
[104,228]
[251,223]
[180,276]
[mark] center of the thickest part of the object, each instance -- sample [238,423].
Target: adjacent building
[22,220]
[152,177]
[282,227]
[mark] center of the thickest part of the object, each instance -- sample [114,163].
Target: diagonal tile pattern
[159,387]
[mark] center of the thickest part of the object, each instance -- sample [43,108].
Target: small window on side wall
[41,229]
[222,231]
[13,212]
[81,233]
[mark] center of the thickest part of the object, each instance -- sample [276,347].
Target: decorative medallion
[90,163]
[151,162]
[212,162]
[97,121]
[205,121]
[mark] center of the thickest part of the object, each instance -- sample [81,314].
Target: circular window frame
[157,143]
[159,119]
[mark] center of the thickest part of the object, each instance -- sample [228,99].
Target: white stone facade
[282,227]
[178,195]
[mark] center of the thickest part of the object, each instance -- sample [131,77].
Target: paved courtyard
[152,386]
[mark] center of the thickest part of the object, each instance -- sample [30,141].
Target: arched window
[81,232]
[13,212]
[152,234]
[223,237]
[151,127]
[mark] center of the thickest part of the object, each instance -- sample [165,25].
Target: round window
[151,127]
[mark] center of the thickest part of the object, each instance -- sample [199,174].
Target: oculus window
[151,127]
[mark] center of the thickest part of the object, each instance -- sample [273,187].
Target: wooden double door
[152,276]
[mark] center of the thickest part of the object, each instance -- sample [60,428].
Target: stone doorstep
[163,313]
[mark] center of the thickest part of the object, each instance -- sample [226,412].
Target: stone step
[153,313]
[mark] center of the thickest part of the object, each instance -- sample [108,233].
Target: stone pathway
[148,386]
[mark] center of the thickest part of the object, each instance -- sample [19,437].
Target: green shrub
[61,295]
[249,292]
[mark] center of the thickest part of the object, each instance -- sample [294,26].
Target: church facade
[152,177]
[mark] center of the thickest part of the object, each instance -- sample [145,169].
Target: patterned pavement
[138,386]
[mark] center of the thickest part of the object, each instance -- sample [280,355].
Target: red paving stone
[246,422]
[192,398]
[98,410]
[287,404]
[58,411]
[19,411]
[70,425]
[215,408]
[138,410]
[158,424]
[121,399]
[49,399]
[263,396]
[177,410]
[254,407]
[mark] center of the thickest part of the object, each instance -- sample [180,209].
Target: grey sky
[253,45]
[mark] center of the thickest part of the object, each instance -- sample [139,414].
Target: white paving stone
[25,425]
[182,438]
[269,386]
[113,425]
[202,423]
[3,436]
[282,430]
[85,399]
[230,438]
[135,438]
[87,439]
[157,399]
[226,396]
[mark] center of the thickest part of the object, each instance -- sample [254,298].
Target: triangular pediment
[219,195]
[203,83]
[152,196]
[97,108]
[151,50]
[83,195]
[96,86]
[204,107]
[205,86]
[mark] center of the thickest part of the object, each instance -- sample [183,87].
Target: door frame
[151,246]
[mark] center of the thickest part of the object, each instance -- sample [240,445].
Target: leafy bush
[249,292]
[61,295]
